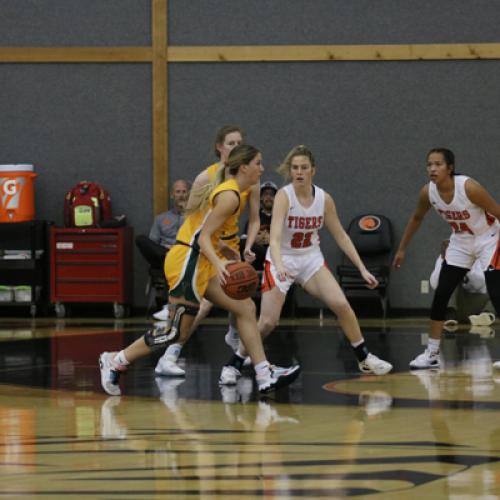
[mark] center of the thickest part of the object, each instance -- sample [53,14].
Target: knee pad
[168,331]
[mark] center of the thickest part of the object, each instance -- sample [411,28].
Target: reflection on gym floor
[333,433]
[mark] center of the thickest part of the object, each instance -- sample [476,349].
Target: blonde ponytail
[202,194]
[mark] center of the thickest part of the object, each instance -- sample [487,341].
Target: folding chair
[372,235]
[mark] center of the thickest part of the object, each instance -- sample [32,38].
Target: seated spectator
[268,191]
[164,228]
[470,299]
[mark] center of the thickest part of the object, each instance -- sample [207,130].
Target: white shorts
[300,269]
[464,251]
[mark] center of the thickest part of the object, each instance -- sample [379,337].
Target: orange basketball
[242,281]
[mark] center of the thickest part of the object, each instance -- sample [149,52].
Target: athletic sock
[360,350]
[236,361]
[261,367]
[433,345]
[173,351]
[120,360]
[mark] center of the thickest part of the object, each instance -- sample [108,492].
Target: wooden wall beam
[249,53]
[269,53]
[160,106]
[75,54]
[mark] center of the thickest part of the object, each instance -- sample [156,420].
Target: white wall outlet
[424,286]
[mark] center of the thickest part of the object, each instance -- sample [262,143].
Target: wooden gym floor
[334,433]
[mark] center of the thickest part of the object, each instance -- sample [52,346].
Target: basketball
[242,281]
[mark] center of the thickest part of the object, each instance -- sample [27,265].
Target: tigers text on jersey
[464,217]
[301,226]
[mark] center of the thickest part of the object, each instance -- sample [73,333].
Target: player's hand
[248,255]
[281,273]
[398,259]
[371,281]
[222,272]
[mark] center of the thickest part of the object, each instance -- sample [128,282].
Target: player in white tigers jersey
[473,228]
[473,216]
[300,209]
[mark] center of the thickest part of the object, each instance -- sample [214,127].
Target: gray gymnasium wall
[302,22]
[370,124]
[78,23]
[80,121]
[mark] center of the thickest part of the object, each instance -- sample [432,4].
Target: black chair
[372,235]
[156,287]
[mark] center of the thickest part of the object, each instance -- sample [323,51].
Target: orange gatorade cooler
[17,194]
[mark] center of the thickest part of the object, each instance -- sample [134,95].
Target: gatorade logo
[10,187]
[11,191]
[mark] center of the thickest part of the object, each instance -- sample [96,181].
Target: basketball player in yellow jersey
[226,139]
[194,269]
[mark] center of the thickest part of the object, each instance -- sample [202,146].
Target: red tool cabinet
[91,265]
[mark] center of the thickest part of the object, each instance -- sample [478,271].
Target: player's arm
[253,222]
[280,210]
[225,204]
[335,228]
[480,197]
[416,218]
[201,180]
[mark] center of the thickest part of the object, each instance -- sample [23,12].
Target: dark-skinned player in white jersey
[473,216]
